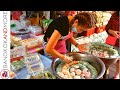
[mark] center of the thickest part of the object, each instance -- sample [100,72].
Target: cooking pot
[93,60]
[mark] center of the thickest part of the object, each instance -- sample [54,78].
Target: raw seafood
[76,70]
[103,50]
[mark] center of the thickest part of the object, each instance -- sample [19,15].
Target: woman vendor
[62,29]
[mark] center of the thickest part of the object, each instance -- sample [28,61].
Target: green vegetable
[13,25]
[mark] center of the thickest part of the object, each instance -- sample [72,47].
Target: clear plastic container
[18,52]
[36,30]
[24,74]
[34,64]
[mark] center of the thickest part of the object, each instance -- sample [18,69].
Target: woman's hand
[67,59]
[114,33]
[81,47]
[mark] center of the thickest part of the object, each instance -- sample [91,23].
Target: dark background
[59,5]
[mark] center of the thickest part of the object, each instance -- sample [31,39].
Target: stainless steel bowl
[114,58]
[94,61]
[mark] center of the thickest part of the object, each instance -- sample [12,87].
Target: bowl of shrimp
[82,66]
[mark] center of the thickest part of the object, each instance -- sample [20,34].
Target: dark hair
[117,13]
[86,19]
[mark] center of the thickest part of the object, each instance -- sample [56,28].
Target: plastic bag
[46,23]
[16,26]
[26,23]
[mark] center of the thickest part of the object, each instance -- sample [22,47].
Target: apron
[60,46]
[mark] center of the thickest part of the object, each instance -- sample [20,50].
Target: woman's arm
[114,33]
[51,44]
[73,41]
[112,27]
[81,47]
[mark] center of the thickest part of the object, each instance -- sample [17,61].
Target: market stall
[27,61]
[101,38]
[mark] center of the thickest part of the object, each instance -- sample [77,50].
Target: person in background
[16,15]
[62,29]
[112,29]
